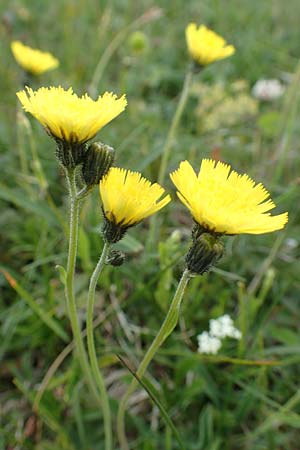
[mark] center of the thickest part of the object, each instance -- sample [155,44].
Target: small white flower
[224,327]
[208,344]
[268,90]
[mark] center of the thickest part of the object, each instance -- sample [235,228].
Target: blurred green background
[245,398]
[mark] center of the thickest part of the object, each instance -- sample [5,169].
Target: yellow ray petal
[205,46]
[128,198]
[68,117]
[32,60]
[223,201]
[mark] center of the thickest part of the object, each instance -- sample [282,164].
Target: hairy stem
[166,329]
[92,350]
[69,288]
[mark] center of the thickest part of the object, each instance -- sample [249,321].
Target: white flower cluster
[210,342]
[224,327]
[267,90]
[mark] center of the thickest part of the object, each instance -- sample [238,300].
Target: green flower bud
[205,251]
[99,158]
[138,42]
[115,258]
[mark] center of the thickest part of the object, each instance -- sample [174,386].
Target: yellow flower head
[205,46]
[128,198]
[33,61]
[222,201]
[68,117]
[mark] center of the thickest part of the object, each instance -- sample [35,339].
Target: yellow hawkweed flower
[127,199]
[68,117]
[205,46]
[222,201]
[32,60]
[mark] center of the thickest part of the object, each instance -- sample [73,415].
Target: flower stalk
[166,329]
[153,231]
[69,290]
[97,376]
[174,125]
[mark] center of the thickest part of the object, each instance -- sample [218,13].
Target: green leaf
[36,206]
[45,317]
[154,397]
[50,419]
[130,245]
[269,123]
[62,273]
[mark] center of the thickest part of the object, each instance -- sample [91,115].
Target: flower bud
[205,251]
[99,158]
[138,42]
[115,258]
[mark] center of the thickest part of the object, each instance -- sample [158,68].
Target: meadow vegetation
[246,396]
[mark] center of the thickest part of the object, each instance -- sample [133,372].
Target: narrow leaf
[43,315]
[147,386]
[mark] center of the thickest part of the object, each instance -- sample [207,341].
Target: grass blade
[43,315]
[149,388]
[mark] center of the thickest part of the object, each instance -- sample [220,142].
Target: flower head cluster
[32,60]
[223,202]
[268,90]
[222,106]
[68,117]
[127,199]
[224,327]
[205,46]
[210,342]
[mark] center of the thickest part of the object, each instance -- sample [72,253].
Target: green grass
[247,396]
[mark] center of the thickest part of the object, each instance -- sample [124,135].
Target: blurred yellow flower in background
[68,117]
[205,46]
[128,197]
[222,201]
[32,60]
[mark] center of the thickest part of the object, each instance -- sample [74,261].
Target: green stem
[153,231]
[36,163]
[166,329]
[92,350]
[69,288]
[175,122]
[21,150]
[117,41]
[289,115]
